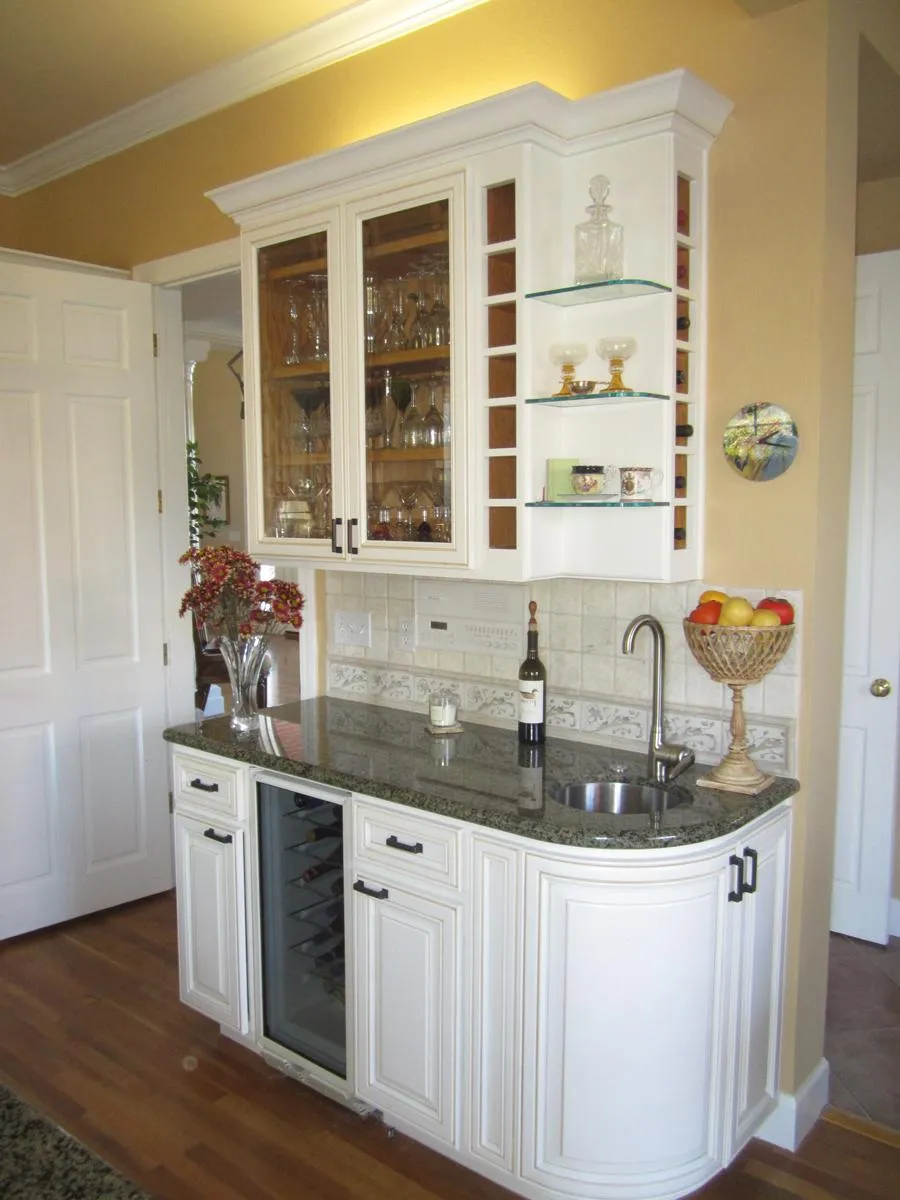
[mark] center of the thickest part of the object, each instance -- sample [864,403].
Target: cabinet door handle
[750,886]
[395,844]
[336,522]
[380,894]
[352,525]
[204,787]
[224,838]
[738,894]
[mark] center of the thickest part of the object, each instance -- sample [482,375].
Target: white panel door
[867,768]
[406,1035]
[84,818]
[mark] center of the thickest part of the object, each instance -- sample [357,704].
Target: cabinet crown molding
[532,112]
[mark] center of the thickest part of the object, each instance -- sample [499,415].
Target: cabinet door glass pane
[295,397]
[408,393]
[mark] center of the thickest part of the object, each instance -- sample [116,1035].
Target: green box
[559,478]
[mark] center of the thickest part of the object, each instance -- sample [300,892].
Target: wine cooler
[301,869]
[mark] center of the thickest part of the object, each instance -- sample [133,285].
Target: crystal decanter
[598,241]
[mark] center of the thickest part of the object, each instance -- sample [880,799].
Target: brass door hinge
[159,500]
[171,802]
[165,654]
[155,346]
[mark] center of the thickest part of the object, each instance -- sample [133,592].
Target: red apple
[706,613]
[777,604]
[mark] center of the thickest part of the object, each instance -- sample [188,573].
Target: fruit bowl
[737,655]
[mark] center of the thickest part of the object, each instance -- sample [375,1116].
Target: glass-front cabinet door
[407,328]
[355,438]
[295,414]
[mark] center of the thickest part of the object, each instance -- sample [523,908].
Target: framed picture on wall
[222,510]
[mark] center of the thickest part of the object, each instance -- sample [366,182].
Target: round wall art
[761,441]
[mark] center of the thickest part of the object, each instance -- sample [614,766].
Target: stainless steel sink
[606,796]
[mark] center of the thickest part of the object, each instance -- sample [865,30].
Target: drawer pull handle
[204,787]
[224,838]
[395,844]
[738,894]
[381,894]
[750,885]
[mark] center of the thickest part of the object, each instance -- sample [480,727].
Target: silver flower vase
[244,659]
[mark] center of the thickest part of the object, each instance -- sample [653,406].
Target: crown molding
[360,27]
[221,333]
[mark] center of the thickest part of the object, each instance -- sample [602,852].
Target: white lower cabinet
[757,978]
[407,1026]
[209,864]
[602,1024]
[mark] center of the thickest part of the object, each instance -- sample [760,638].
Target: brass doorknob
[880,688]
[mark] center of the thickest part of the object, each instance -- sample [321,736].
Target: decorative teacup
[637,483]
[590,480]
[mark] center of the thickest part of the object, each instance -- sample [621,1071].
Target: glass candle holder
[616,351]
[567,356]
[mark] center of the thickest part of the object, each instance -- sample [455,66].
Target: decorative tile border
[605,720]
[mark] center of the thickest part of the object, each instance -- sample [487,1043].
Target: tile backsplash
[595,692]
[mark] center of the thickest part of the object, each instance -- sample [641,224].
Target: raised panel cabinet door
[758,980]
[492,1113]
[623,1004]
[209,866]
[407,1010]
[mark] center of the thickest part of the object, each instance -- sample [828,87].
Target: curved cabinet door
[623,1043]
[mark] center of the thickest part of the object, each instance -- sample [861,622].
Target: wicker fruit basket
[737,655]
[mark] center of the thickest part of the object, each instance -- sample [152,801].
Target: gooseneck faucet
[664,762]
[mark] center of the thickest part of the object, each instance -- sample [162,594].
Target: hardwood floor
[93,1034]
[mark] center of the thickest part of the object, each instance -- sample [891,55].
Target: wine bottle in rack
[532,687]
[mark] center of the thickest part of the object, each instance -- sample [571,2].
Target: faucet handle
[671,760]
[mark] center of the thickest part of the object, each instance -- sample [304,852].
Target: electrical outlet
[406,633]
[353,629]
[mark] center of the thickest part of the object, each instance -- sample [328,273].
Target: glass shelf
[597,504]
[590,293]
[596,398]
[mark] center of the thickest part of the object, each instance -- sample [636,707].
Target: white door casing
[867,780]
[84,820]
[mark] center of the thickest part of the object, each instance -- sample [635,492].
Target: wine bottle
[532,681]
[530,797]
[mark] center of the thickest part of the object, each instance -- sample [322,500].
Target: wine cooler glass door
[302,903]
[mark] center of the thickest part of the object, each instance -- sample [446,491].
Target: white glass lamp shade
[616,347]
[568,353]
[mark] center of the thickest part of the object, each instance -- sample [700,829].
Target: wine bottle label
[531,701]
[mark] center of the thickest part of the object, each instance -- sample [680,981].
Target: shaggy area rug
[40,1161]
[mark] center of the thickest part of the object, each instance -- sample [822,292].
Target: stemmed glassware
[433,422]
[317,318]
[292,357]
[412,431]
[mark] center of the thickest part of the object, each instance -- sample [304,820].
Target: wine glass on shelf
[439,317]
[408,494]
[433,422]
[292,356]
[412,432]
[396,330]
[375,416]
[317,318]
[402,395]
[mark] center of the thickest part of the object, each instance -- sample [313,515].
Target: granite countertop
[473,776]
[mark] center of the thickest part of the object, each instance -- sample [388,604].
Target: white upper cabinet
[405,299]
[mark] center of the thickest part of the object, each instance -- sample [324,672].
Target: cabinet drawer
[419,846]
[209,785]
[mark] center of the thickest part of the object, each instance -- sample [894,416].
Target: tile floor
[862,1028]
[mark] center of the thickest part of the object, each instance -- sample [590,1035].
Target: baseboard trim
[797,1112]
[894,918]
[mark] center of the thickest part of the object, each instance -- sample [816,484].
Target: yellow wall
[878,216]
[782,246]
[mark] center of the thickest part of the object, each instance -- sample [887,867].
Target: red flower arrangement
[229,598]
